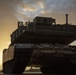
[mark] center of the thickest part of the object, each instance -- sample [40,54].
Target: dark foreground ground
[25,73]
[35,73]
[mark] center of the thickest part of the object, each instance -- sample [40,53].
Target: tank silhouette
[41,43]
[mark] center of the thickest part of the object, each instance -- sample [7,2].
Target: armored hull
[54,34]
[41,43]
[22,55]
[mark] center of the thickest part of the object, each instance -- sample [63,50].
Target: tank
[41,43]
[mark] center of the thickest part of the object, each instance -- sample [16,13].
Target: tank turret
[44,26]
[44,20]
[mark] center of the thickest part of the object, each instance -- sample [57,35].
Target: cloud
[58,8]
[24,9]
[60,5]
[32,8]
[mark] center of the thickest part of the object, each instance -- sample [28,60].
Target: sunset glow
[0,59]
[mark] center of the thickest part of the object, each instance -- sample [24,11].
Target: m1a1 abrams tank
[41,43]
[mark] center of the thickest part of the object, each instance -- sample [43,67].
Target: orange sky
[12,11]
